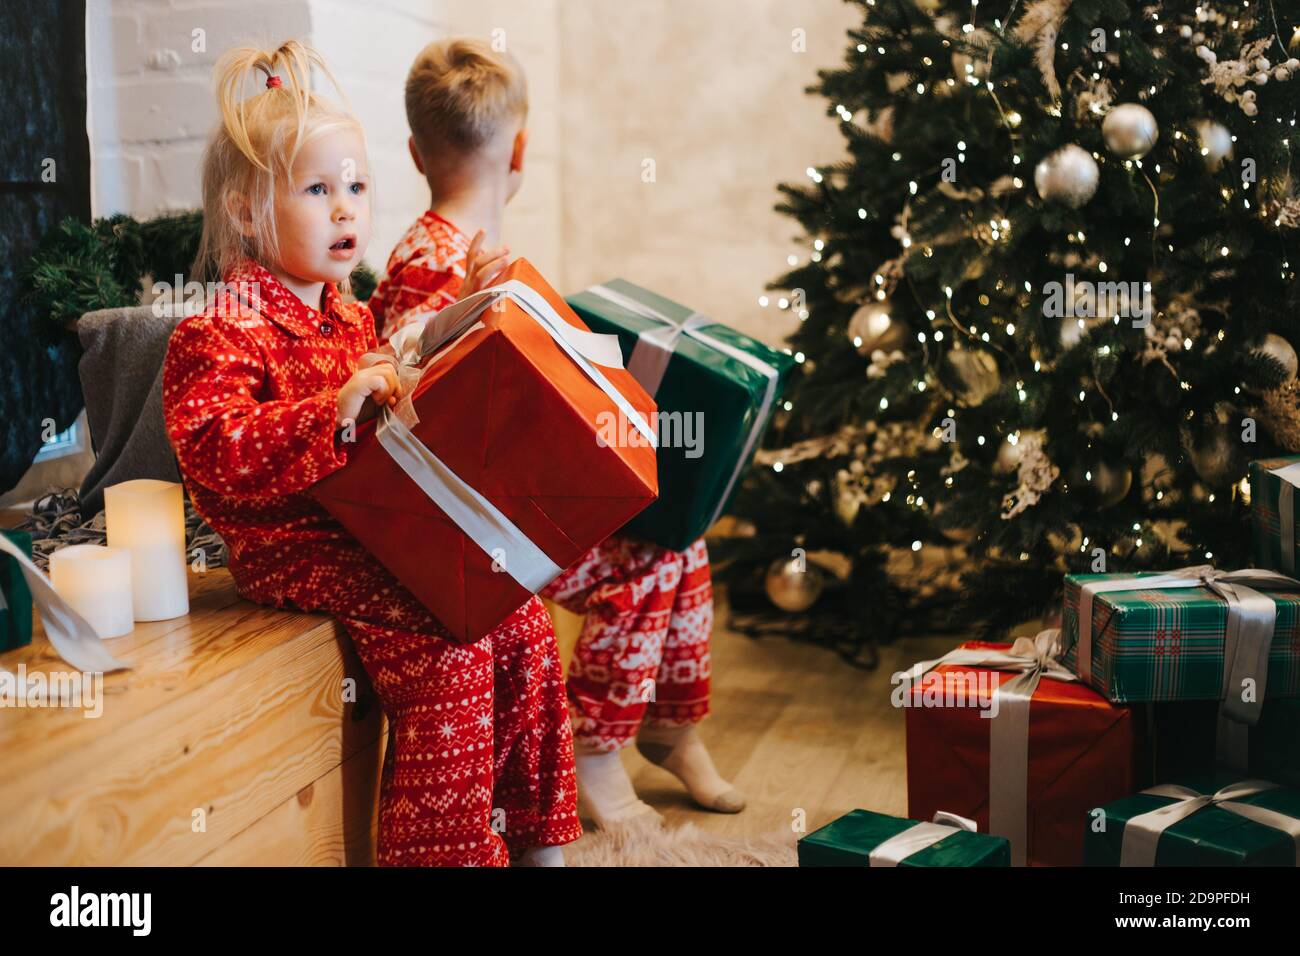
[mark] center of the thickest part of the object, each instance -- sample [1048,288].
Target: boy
[640,670]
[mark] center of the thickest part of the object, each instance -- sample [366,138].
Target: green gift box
[1183,735]
[1167,643]
[715,389]
[1211,835]
[1272,484]
[15,598]
[853,838]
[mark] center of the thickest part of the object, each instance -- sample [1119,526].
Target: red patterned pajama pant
[479,764]
[643,654]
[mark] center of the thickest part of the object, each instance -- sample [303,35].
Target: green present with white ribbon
[1215,821]
[863,838]
[715,389]
[1273,515]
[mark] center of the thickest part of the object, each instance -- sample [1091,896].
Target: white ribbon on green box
[919,837]
[1248,638]
[420,344]
[654,350]
[1290,477]
[1142,833]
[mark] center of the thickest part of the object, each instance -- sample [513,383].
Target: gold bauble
[972,375]
[1218,456]
[871,328]
[1109,482]
[793,585]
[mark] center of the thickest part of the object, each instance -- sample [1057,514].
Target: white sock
[681,752]
[542,856]
[606,790]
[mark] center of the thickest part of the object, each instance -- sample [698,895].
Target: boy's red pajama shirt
[644,649]
[480,758]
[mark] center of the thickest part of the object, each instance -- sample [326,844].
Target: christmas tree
[1045,307]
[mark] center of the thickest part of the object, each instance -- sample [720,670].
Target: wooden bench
[228,743]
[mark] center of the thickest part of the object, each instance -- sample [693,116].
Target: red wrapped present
[495,472]
[1004,734]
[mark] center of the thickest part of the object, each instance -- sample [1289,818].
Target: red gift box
[517,420]
[1082,754]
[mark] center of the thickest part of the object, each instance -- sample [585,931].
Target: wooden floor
[796,729]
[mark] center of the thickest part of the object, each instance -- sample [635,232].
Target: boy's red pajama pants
[643,654]
[479,765]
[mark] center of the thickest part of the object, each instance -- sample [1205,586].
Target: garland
[80,268]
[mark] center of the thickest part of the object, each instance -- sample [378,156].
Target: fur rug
[685,845]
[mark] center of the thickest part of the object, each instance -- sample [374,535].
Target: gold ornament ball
[792,589]
[1109,483]
[1293,47]
[1130,131]
[1068,176]
[973,375]
[1218,458]
[871,328]
[1280,350]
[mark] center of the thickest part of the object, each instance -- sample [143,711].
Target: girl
[258,392]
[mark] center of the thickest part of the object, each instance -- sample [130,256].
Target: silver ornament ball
[1068,176]
[793,585]
[1130,131]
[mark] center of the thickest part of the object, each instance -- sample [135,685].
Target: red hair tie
[272,81]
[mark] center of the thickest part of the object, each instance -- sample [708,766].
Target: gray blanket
[121,378]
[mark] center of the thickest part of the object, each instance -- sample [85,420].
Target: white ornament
[1216,143]
[1130,131]
[1068,176]
[1280,350]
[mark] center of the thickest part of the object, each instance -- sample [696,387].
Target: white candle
[96,581]
[146,517]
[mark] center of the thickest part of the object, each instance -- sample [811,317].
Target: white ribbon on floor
[1142,833]
[69,633]
[917,838]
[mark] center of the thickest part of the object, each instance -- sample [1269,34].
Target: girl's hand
[362,395]
[482,266]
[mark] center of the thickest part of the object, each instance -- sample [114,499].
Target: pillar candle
[96,581]
[146,517]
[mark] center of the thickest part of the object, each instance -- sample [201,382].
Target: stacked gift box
[1160,726]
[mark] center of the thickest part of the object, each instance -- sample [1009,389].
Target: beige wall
[712,92]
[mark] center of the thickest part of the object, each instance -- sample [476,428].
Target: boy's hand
[482,266]
[361,396]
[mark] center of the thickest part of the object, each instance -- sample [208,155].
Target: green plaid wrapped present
[1272,496]
[1215,821]
[716,389]
[15,597]
[1165,640]
[863,838]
